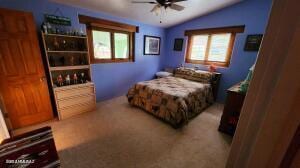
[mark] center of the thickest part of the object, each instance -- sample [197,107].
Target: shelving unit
[74,52]
[67,55]
[63,35]
[61,68]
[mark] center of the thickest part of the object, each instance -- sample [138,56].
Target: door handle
[42,79]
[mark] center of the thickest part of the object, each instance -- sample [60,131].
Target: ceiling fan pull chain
[161,13]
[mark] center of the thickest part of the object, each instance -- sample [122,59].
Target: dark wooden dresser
[232,109]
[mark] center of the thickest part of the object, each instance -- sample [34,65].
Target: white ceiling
[141,12]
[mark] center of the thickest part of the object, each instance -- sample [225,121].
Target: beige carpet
[117,135]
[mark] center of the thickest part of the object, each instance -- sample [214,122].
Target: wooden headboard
[215,84]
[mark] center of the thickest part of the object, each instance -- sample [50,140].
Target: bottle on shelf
[68,79]
[56,44]
[60,81]
[82,78]
[75,78]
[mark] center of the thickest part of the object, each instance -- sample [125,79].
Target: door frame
[4,134]
[270,115]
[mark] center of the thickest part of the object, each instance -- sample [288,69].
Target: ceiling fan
[163,3]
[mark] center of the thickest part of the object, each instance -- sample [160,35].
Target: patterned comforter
[174,100]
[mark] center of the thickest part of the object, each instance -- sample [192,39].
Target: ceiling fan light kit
[163,5]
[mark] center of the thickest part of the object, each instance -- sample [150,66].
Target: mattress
[174,100]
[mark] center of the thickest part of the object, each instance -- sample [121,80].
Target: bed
[177,99]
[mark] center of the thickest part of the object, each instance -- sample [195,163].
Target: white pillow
[163,74]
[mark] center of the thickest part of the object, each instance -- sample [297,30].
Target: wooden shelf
[78,52]
[70,99]
[64,35]
[67,87]
[60,68]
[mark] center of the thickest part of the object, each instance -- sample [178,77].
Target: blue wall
[111,79]
[252,13]
[114,79]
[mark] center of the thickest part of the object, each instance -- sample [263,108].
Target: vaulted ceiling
[141,12]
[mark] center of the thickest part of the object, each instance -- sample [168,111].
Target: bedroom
[104,58]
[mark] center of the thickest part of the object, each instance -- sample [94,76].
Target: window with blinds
[211,46]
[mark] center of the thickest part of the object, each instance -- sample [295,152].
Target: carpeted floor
[117,135]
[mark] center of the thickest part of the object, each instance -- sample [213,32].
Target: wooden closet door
[23,85]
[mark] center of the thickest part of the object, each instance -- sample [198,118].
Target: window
[211,46]
[109,41]
[101,44]
[110,45]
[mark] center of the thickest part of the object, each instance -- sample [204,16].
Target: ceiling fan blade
[155,8]
[176,7]
[149,2]
[173,1]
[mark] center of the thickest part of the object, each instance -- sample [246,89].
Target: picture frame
[151,45]
[253,42]
[178,44]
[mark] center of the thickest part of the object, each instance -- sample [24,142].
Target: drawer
[74,110]
[84,99]
[74,92]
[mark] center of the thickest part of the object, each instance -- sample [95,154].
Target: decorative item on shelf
[245,84]
[65,45]
[82,78]
[81,33]
[49,28]
[44,28]
[212,68]
[67,32]
[68,79]
[57,30]
[75,32]
[75,78]
[59,80]
[56,44]
[71,60]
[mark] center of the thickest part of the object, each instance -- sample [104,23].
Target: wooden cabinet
[74,100]
[68,62]
[232,109]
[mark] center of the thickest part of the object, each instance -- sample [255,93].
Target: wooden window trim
[231,29]
[97,22]
[112,27]
[212,31]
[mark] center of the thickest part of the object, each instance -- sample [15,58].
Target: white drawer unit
[75,99]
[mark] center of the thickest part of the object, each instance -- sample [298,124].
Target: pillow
[163,74]
[194,75]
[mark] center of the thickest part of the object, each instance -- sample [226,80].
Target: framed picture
[151,45]
[253,42]
[178,43]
